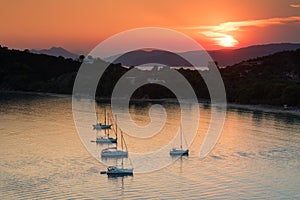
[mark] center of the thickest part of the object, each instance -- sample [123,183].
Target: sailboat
[105,127]
[106,138]
[119,171]
[179,151]
[99,126]
[115,171]
[114,151]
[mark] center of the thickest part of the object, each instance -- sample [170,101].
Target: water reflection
[42,156]
[257,116]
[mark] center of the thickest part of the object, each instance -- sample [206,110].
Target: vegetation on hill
[22,70]
[273,79]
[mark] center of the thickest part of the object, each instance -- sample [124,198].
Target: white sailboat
[112,152]
[114,171]
[179,151]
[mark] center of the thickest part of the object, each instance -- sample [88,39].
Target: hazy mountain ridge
[231,57]
[56,51]
[224,57]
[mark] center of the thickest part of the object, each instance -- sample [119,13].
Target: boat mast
[97,121]
[122,140]
[97,118]
[122,148]
[180,136]
[105,115]
[107,129]
[105,119]
[116,127]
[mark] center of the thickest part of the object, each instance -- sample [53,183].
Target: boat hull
[120,172]
[179,152]
[114,154]
[106,140]
[101,127]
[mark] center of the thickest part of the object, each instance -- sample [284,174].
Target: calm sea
[42,157]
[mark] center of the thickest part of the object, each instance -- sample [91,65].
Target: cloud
[235,26]
[222,31]
[222,39]
[295,5]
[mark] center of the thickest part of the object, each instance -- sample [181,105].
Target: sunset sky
[79,25]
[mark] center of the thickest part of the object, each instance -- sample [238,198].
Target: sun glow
[227,41]
[221,39]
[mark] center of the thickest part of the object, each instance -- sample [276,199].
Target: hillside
[273,79]
[231,57]
[22,70]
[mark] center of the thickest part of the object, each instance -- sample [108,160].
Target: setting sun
[228,41]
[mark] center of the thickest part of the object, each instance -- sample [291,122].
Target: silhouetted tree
[81,58]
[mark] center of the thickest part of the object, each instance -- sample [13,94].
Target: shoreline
[259,107]
[264,108]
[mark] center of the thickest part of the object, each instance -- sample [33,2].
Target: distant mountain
[56,51]
[231,57]
[224,57]
[141,57]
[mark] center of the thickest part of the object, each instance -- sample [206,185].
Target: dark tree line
[273,79]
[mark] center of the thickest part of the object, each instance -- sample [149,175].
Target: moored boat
[100,126]
[119,171]
[104,139]
[113,152]
[179,151]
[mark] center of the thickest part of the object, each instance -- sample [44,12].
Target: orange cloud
[235,26]
[222,32]
[222,39]
[295,5]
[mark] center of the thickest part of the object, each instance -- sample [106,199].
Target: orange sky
[79,25]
